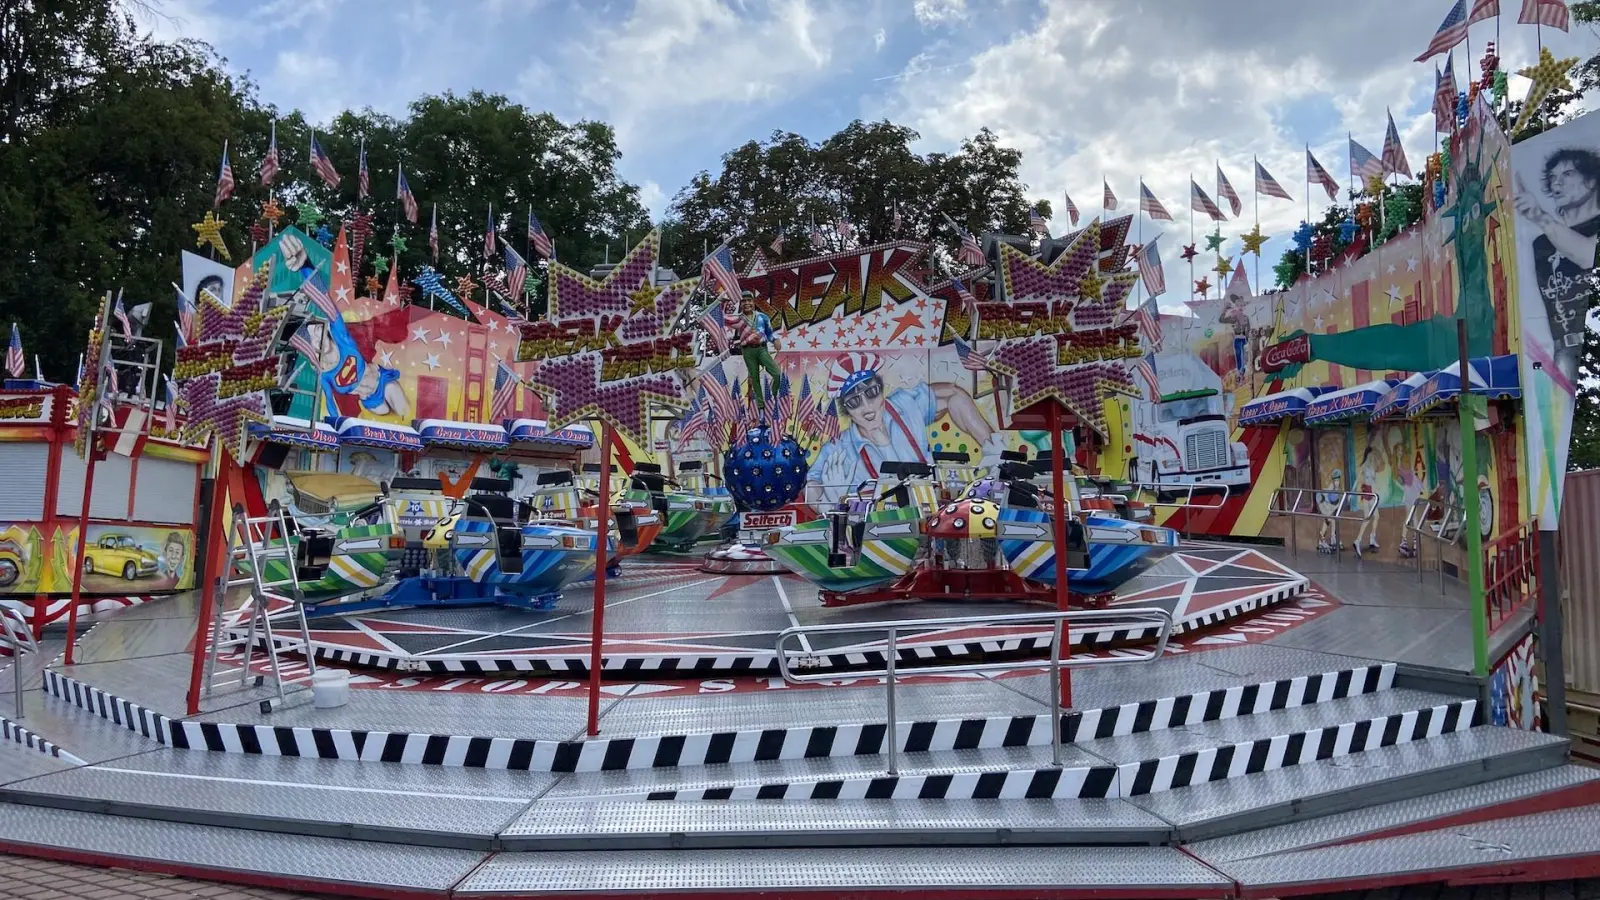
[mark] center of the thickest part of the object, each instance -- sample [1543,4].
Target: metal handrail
[1057,619]
[1451,519]
[1190,488]
[1367,500]
[19,637]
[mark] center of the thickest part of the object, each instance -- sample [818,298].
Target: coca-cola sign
[1285,353]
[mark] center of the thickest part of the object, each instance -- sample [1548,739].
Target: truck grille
[1205,450]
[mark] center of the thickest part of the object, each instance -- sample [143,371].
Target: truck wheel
[129,571]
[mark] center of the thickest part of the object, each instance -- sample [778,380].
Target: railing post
[1055,693]
[890,732]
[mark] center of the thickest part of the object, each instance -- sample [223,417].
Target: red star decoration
[801,331]
[258,234]
[920,339]
[876,342]
[815,343]
[1188,253]
[1202,286]
[360,229]
[906,322]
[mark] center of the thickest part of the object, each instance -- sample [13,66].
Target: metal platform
[663,622]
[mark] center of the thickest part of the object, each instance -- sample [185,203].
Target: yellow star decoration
[1375,185]
[1549,75]
[642,299]
[1091,286]
[1253,239]
[209,231]
[272,212]
[1224,266]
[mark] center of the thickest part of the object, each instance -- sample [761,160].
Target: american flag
[433,233]
[1544,12]
[489,242]
[716,385]
[711,321]
[185,318]
[1200,201]
[1150,271]
[108,369]
[1316,174]
[538,239]
[897,220]
[506,384]
[1145,368]
[1483,9]
[1072,209]
[844,229]
[121,315]
[303,343]
[971,359]
[1226,192]
[269,165]
[516,271]
[224,178]
[317,293]
[172,404]
[1148,320]
[363,180]
[1444,96]
[968,302]
[694,419]
[1452,31]
[1363,165]
[778,239]
[1109,201]
[408,201]
[783,408]
[1036,223]
[1150,206]
[14,361]
[1394,153]
[323,165]
[830,422]
[718,270]
[1266,184]
[819,241]
[971,254]
[805,406]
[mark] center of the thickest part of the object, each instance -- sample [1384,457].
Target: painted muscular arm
[963,411]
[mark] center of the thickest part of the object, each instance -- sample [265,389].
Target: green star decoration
[380,265]
[1214,240]
[399,244]
[307,214]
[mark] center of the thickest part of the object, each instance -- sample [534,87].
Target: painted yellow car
[11,563]
[118,554]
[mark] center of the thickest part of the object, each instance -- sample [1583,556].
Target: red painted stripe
[1561,869]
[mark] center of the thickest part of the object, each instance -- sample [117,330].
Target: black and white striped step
[670,751]
[1105,781]
[15,733]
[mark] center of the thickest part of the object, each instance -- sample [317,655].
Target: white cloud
[939,12]
[1163,90]
[878,39]
[314,78]
[654,199]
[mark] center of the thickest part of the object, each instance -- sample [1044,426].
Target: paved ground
[37,879]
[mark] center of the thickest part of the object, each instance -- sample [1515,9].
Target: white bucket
[330,688]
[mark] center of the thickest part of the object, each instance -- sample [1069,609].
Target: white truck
[1182,436]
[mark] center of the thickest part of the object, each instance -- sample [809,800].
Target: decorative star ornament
[1302,236]
[360,229]
[1214,240]
[398,242]
[271,211]
[1202,287]
[223,375]
[1347,230]
[1253,239]
[324,235]
[1375,185]
[1548,75]
[209,231]
[465,286]
[380,264]
[431,285]
[1189,253]
[258,233]
[1091,287]
[307,214]
[374,286]
[1033,366]
[1224,267]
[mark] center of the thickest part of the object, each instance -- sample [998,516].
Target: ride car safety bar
[1346,508]
[1188,489]
[1124,619]
[19,637]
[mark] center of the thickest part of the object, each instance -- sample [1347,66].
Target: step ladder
[255,545]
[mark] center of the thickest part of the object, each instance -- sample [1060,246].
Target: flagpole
[1308,188]
[1138,294]
[1191,232]
[1256,163]
[216,197]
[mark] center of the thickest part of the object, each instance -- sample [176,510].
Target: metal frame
[1452,519]
[1056,618]
[1187,488]
[20,642]
[1275,507]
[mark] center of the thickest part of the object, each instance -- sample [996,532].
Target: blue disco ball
[763,472]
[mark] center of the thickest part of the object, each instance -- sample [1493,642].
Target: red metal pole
[1063,509]
[59,435]
[597,629]
[83,537]
[217,551]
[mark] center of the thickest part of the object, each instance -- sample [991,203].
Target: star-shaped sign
[360,229]
[1202,287]
[1548,75]
[1189,253]
[1091,287]
[307,214]
[209,231]
[1253,239]
[1025,277]
[433,286]
[224,375]
[271,211]
[1214,240]
[574,294]
[1031,363]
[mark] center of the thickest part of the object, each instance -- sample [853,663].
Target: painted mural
[1514,688]
[119,558]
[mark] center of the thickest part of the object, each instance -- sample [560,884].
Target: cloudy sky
[1085,88]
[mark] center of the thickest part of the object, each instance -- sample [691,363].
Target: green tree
[864,174]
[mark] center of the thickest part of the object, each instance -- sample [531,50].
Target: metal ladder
[251,548]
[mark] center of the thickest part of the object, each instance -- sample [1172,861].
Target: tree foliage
[865,174]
